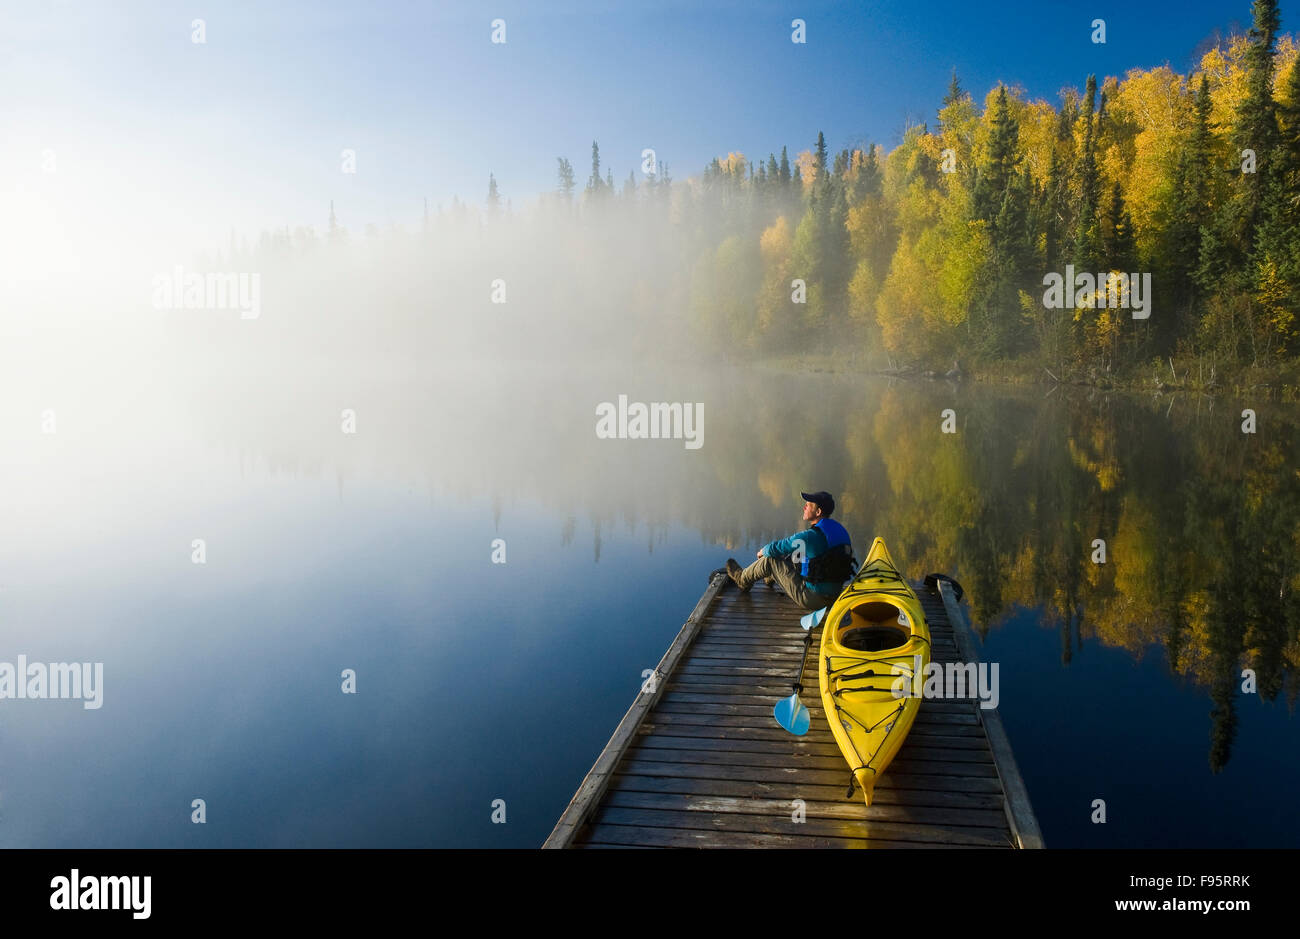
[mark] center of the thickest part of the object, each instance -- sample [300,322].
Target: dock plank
[788,791]
[811,827]
[612,835]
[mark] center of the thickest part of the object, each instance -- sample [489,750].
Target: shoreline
[1279,383]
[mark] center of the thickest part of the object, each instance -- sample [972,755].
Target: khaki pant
[788,576]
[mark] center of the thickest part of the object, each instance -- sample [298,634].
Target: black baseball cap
[822,500]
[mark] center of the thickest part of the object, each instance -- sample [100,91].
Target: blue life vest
[835,564]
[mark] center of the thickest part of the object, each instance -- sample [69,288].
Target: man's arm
[784,547]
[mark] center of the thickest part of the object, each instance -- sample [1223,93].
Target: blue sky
[246,129]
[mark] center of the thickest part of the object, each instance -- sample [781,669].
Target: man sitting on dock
[811,566]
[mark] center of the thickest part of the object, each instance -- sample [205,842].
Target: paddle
[814,618]
[790,712]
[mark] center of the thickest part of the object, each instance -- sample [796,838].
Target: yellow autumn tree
[775,310]
[807,163]
[1152,110]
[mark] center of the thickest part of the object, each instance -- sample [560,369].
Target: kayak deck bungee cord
[871,637]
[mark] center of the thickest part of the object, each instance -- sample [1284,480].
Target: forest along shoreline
[1141,234]
[1275,384]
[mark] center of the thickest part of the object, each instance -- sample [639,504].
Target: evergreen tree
[1188,213]
[869,179]
[832,213]
[1059,210]
[841,163]
[1012,245]
[493,197]
[566,179]
[1118,246]
[820,155]
[1289,126]
[1275,264]
[1054,225]
[594,183]
[1257,120]
[995,175]
[953,96]
[662,188]
[1001,201]
[1087,247]
[336,231]
[1228,244]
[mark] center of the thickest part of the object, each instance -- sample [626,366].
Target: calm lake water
[478,681]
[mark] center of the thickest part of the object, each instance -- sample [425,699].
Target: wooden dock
[699,760]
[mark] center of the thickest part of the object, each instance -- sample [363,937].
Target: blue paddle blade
[810,620]
[792,715]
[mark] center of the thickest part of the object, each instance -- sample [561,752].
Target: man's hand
[759,555]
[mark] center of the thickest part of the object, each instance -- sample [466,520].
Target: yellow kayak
[870,639]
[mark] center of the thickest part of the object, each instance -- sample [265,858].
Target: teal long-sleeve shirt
[813,541]
[814,544]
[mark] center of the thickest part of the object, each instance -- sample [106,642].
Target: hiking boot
[734,571]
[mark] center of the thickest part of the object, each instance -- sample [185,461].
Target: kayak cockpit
[873,626]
